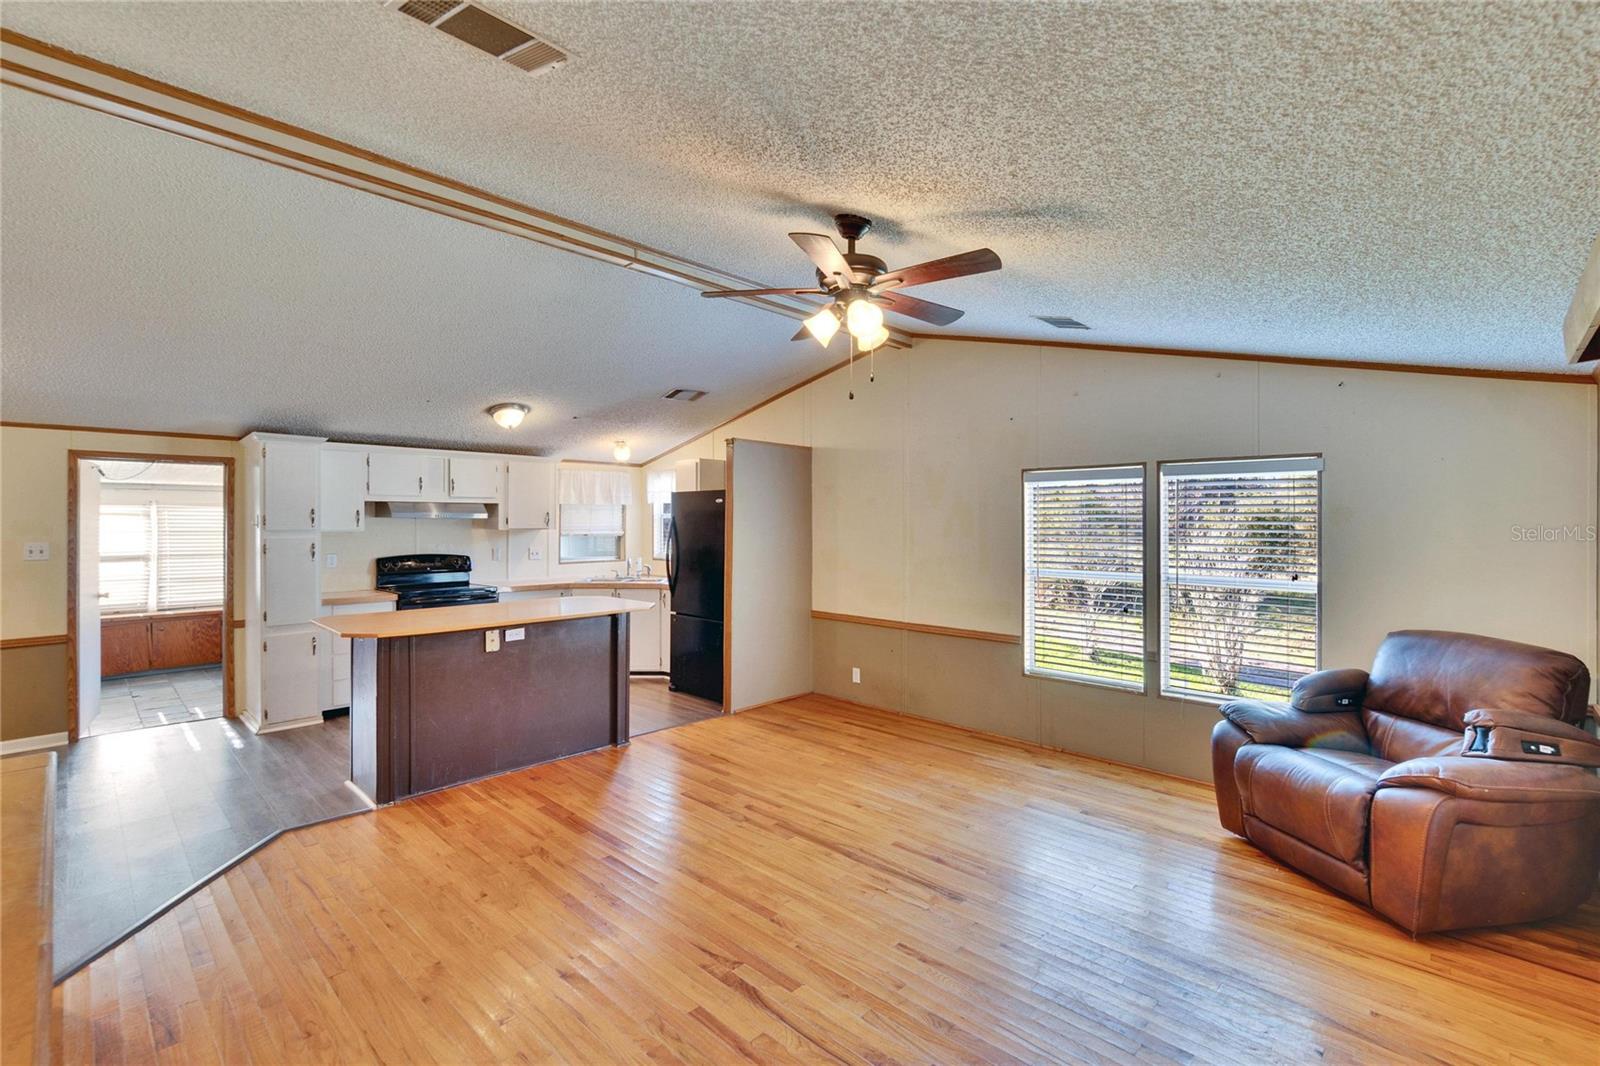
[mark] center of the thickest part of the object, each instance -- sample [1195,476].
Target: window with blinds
[161,556]
[1083,578]
[592,533]
[1240,545]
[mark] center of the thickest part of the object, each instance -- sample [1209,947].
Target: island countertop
[422,623]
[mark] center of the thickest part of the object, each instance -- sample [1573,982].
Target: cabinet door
[395,475]
[124,646]
[644,631]
[290,676]
[474,479]
[187,640]
[343,490]
[289,484]
[529,501]
[289,590]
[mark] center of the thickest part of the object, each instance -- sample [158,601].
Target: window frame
[1158,603]
[1142,687]
[561,535]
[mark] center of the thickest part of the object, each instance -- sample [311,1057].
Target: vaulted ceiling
[1377,182]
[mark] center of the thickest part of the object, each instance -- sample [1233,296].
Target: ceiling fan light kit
[861,286]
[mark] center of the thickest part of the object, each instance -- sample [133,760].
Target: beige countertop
[339,599]
[580,583]
[383,624]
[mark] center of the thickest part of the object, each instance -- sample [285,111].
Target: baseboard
[284,727]
[1019,740]
[38,743]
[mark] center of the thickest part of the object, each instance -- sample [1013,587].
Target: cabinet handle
[313,645]
[419,483]
[547,519]
[358,518]
[313,516]
[452,486]
[313,550]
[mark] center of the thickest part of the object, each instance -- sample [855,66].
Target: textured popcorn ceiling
[1401,182]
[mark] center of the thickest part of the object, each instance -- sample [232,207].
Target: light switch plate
[36,550]
[515,634]
[333,559]
[855,675]
[491,640]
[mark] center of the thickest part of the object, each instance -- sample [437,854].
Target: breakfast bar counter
[447,695]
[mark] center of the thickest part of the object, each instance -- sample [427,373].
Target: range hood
[417,509]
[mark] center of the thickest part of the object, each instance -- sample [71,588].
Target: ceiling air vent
[486,32]
[1061,322]
[687,395]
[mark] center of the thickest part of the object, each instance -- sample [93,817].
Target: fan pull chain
[872,366]
[852,367]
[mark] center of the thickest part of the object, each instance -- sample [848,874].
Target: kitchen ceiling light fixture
[622,453]
[508,415]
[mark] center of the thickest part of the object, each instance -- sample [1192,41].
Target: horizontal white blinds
[125,546]
[1084,574]
[190,541]
[1239,576]
[591,519]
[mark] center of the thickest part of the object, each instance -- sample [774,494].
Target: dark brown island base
[451,694]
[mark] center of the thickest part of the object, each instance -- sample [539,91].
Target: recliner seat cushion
[1321,797]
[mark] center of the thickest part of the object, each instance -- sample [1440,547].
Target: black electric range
[432,581]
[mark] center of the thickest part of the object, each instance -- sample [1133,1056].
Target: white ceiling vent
[485,32]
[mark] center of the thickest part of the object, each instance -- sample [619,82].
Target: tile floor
[138,701]
[144,815]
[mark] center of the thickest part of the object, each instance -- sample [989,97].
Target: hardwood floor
[812,881]
[652,706]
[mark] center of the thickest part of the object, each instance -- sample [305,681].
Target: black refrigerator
[695,542]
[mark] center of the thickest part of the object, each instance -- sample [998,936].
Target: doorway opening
[149,612]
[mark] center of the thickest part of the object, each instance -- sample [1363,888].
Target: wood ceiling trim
[46,69]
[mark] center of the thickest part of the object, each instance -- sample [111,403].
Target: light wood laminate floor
[806,882]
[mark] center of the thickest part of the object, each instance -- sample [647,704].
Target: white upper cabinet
[397,475]
[530,494]
[289,589]
[343,491]
[289,484]
[474,479]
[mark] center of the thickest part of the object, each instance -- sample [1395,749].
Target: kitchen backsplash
[497,557]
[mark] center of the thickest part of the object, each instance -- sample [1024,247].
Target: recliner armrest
[1494,779]
[1329,691]
[1277,723]
[1522,737]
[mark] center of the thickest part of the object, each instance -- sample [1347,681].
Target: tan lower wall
[979,684]
[33,690]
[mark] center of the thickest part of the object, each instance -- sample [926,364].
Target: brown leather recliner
[1447,789]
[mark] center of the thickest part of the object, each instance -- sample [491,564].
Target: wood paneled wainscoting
[812,881]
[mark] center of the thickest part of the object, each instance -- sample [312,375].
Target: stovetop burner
[432,581]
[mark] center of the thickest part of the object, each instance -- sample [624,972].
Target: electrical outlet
[333,559]
[535,553]
[491,640]
[35,550]
[855,675]
[515,634]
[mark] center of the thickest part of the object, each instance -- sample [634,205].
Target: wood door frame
[74,457]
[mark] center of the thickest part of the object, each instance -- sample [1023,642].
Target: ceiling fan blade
[813,291]
[821,250]
[977,261]
[927,310]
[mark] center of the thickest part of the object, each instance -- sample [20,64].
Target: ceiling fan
[863,286]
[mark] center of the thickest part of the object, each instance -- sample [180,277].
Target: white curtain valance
[609,488]
[660,486]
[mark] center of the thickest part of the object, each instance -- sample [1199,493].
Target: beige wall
[769,625]
[917,513]
[33,595]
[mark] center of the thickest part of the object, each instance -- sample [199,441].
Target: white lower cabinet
[646,631]
[333,672]
[289,672]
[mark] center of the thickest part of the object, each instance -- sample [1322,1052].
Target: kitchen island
[447,695]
